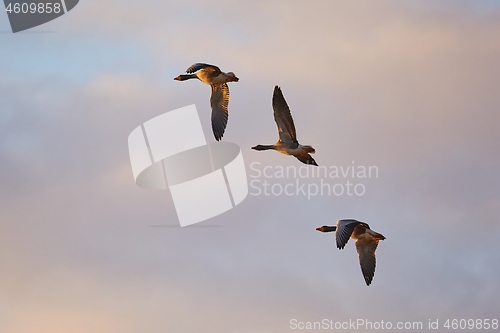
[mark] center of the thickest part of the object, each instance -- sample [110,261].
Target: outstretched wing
[344,231]
[306,158]
[366,251]
[196,67]
[219,102]
[283,118]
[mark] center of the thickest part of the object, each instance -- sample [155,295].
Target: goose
[219,100]
[366,243]
[287,143]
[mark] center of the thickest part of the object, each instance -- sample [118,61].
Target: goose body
[287,143]
[366,243]
[219,100]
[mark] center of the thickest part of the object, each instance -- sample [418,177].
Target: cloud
[405,86]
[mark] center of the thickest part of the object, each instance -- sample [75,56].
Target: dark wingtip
[218,136]
[312,162]
[368,280]
[218,131]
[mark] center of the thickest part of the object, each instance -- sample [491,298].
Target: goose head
[184,77]
[327,228]
[263,147]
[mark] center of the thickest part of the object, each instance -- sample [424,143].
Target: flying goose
[366,243]
[287,143]
[219,100]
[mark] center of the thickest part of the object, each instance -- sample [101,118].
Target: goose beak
[178,78]
[319,229]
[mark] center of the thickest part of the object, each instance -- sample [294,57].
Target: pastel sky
[410,87]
